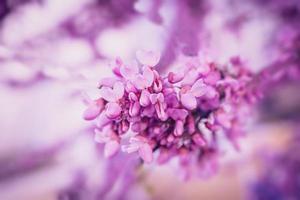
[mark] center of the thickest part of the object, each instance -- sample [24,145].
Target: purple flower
[180,115]
[142,146]
[112,96]
[94,108]
[110,139]
[199,88]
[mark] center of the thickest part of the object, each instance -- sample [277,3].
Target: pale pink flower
[188,95]
[110,139]
[149,58]
[142,146]
[112,95]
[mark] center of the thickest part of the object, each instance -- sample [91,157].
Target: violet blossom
[182,114]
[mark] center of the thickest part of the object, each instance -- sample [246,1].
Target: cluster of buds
[183,114]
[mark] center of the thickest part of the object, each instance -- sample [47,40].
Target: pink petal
[160,97]
[139,126]
[102,120]
[129,71]
[198,139]
[112,110]
[149,58]
[157,86]
[177,114]
[138,140]
[112,95]
[130,87]
[175,77]
[107,94]
[118,90]
[204,69]
[149,111]
[157,83]
[132,96]
[160,111]
[116,66]
[170,138]
[134,109]
[111,148]
[212,77]
[145,98]
[148,76]
[108,82]
[133,147]
[153,98]
[198,88]
[210,92]
[145,152]
[188,101]
[139,82]
[191,124]
[190,77]
[92,112]
[178,131]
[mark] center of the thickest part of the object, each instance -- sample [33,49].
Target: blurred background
[52,50]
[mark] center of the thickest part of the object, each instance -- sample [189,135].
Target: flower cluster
[184,114]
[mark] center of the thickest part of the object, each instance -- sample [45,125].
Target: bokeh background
[52,50]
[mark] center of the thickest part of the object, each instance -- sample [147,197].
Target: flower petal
[210,92]
[112,110]
[139,82]
[145,152]
[177,114]
[130,148]
[134,109]
[160,97]
[149,58]
[132,96]
[92,112]
[175,77]
[148,111]
[160,111]
[145,98]
[129,72]
[130,87]
[116,66]
[153,98]
[108,82]
[118,90]
[148,76]
[178,128]
[212,77]
[198,139]
[198,88]
[190,77]
[111,148]
[107,94]
[188,101]
[102,120]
